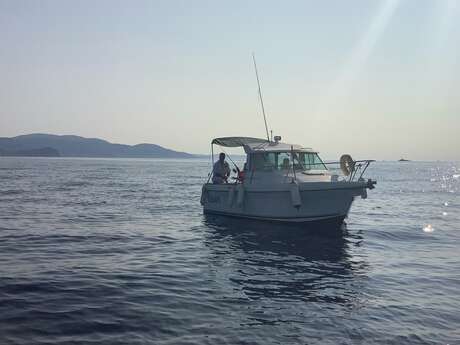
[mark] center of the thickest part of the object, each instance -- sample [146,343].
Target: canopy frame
[233,142]
[237,141]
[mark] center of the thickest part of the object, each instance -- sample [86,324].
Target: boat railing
[354,173]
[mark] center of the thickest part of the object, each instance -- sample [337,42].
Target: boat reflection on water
[287,262]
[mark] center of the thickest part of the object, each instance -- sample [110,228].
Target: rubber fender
[240,195]
[203,195]
[295,194]
[231,193]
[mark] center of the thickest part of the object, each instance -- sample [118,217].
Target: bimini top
[237,141]
[252,145]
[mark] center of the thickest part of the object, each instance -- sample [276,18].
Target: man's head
[222,156]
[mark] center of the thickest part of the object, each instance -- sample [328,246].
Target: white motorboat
[286,183]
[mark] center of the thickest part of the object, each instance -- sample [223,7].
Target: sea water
[118,251]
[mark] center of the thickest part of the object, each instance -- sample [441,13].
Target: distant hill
[75,146]
[42,152]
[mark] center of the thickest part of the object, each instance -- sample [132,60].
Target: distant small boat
[404,160]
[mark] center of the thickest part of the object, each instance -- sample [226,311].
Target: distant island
[50,145]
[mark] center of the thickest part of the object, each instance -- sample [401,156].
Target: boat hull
[332,221]
[286,203]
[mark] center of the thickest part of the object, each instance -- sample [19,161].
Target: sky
[375,79]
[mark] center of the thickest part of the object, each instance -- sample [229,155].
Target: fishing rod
[231,160]
[260,96]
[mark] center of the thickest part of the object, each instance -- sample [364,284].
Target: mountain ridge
[78,146]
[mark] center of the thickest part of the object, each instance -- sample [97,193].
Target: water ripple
[118,252]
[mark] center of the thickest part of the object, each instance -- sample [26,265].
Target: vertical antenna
[260,96]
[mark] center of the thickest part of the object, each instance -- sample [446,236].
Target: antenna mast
[260,96]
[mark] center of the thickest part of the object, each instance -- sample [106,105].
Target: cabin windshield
[303,161]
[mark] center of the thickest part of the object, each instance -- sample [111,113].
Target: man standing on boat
[221,170]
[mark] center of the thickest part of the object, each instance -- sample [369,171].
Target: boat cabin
[274,161]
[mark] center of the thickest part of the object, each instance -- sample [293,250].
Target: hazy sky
[376,79]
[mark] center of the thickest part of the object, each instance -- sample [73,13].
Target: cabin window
[268,161]
[263,161]
[309,161]
[284,161]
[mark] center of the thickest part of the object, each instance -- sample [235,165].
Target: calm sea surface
[117,251]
